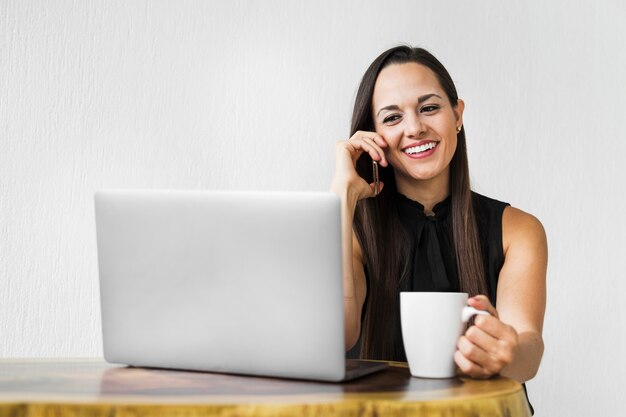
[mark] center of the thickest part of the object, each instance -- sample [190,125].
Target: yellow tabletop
[95,388]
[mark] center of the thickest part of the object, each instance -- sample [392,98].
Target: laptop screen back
[239,282]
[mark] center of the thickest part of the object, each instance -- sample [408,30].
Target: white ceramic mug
[431,325]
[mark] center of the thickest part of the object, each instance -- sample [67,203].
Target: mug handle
[468,312]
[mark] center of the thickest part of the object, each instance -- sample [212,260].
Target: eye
[430,108]
[390,119]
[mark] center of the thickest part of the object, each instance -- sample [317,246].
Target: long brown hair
[377,224]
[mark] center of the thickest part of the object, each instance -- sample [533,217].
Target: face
[412,112]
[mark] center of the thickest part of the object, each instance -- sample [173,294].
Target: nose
[414,125]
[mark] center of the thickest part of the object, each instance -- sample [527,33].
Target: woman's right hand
[351,188]
[346,178]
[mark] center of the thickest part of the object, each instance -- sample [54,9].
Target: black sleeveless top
[433,263]
[432,259]
[432,255]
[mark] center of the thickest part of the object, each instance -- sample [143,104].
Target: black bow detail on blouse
[434,265]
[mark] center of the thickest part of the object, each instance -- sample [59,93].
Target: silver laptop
[233,282]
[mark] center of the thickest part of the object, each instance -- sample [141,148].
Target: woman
[426,230]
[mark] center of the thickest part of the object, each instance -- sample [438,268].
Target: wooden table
[94,388]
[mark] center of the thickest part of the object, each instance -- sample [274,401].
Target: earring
[458,129]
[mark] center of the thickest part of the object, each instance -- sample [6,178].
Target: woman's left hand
[487,346]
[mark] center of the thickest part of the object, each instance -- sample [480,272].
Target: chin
[423,175]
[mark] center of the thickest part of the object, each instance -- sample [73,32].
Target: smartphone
[376,180]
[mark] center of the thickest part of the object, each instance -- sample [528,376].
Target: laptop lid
[236,282]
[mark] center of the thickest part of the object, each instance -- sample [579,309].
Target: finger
[473,352]
[468,367]
[379,140]
[498,339]
[357,147]
[346,154]
[382,143]
[375,151]
[360,134]
[503,347]
[375,141]
[493,326]
[482,339]
[481,302]
[373,188]
[372,135]
[496,355]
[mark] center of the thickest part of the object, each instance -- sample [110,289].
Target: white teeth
[421,148]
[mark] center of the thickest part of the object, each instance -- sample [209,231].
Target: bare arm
[354,288]
[510,342]
[351,188]
[522,290]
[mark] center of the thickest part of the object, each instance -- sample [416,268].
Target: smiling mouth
[415,150]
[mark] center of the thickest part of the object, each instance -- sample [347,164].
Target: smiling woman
[416,127]
[427,230]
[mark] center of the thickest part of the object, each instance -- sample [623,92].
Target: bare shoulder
[520,228]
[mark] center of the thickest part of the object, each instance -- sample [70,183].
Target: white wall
[253,94]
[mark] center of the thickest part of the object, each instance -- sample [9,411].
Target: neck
[426,192]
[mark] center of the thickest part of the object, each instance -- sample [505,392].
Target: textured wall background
[252,95]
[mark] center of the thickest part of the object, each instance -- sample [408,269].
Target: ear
[458,111]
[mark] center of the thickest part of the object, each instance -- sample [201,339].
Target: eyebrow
[420,99]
